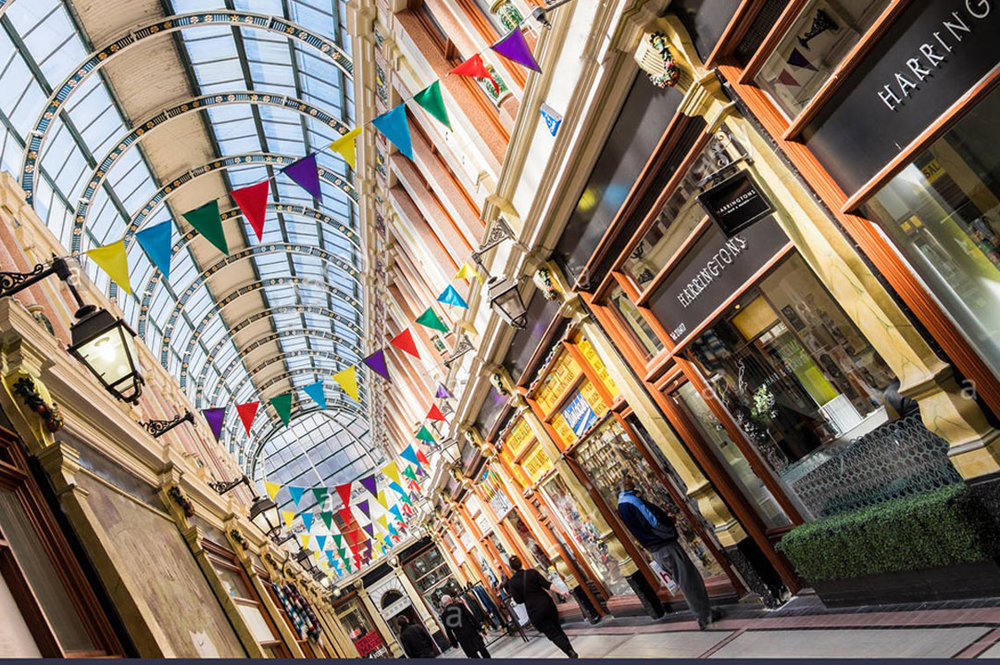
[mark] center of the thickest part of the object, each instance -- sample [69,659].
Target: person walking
[462,628]
[655,531]
[417,643]
[532,588]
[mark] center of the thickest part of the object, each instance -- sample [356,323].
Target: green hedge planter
[930,546]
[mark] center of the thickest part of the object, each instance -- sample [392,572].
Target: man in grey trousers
[655,530]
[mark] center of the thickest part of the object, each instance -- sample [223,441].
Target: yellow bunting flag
[316,555]
[272,489]
[305,539]
[468,272]
[289,516]
[383,499]
[345,146]
[382,522]
[112,260]
[348,380]
[392,472]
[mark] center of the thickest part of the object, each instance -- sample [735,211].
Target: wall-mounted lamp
[103,343]
[505,298]
[160,427]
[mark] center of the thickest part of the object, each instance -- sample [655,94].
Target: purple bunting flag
[513,47]
[215,418]
[377,362]
[442,392]
[798,60]
[305,174]
[370,485]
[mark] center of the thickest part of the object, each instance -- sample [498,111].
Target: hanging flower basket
[25,389]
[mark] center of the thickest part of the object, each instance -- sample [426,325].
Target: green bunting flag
[207,221]
[327,518]
[425,435]
[283,405]
[320,494]
[430,100]
[408,472]
[430,320]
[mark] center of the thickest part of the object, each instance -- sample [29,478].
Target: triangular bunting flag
[113,260]
[787,79]
[339,541]
[422,458]
[430,100]
[408,472]
[305,537]
[377,362]
[329,558]
[288,516]
[425,435]
[420,471]
[513,47]
[215,418]
[320,493]
[409,454]
[392,530]
[327,518]
[307,519]
[450,297]
[369,530]
[395,511]
[475,68]
[442,392]
[320,542]
[252,201]
[382,522]
[406,497]
[370,484]
[363,506]
[392,472]
[345,514]
[247,412]
[283,405]
[207,222]
[395,127]
[435,413]
[345,146]
[396,487]
[430,320]
[345,494]
[404,341]
[798,60]
[272,489]
[156,241]
[305,173]
[468,272]
[296,493]
[382,499]
[348,380]
[315,391]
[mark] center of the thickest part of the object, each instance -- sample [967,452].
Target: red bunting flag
[404,341]
[435,413]
[252,201]
[247,412]
[345,494]
[422,458]
[475,68]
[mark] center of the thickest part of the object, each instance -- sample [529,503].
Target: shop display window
[518,526]
[489,484]
[359,627]
[596,364]
[608,456]
[715,435]
[681,214]
[586,536]
[630,315]
[793,372]
[942,215]
[557,380]
[819,39]
[536,464]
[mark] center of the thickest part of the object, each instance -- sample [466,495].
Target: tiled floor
[802,629]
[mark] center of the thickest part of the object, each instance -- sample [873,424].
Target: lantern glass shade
[265,516]
[506,300]
[106,345]
[305,558]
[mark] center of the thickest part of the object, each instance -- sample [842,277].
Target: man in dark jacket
[655,531]
[462,628]
[415,640]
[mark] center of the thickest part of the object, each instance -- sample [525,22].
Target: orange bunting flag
[475,68]
[404,341]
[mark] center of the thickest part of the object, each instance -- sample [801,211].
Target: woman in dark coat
[416,642]
[531,588]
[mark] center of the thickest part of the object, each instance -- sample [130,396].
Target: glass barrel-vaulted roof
[275,315]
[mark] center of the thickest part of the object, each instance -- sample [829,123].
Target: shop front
[361,629]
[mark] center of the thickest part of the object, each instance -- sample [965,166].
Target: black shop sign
[715,268]
[735,203]
[934,52]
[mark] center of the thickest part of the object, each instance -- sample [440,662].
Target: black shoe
[717,615]
[573,654]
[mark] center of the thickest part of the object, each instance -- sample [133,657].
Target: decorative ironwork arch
[283,208]
[196,104]
[297,353]
[233,330]
[102,56]
[306,250]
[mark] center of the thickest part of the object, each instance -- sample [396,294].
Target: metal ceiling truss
[100,57]
[258,316]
